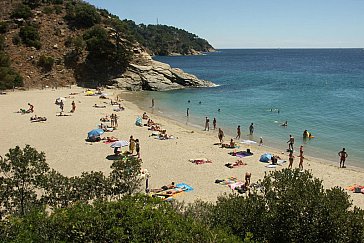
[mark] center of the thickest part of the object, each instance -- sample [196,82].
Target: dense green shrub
[132,219]
[82,15]
[106,54]
[33,3]
[290,206]
[48,10]
[58,9]
[30,36]
[3,27]
[46,62]
[16,40]
[8,76]
[22,11]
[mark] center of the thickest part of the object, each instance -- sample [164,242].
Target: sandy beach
[62,138]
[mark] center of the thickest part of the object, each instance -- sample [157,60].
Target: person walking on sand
[290,142]
[115,120]
[112,120]
[261,141]
[251,129]
[137,147]
[73,106]
[207,124]
[131,145]
[220,135]
[238,133]
[61,105]
[343,155]
[214,123]
[290,158]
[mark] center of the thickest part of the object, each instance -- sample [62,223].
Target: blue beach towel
[184,187]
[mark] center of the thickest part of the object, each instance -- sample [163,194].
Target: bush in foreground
[133,219]
[291,207]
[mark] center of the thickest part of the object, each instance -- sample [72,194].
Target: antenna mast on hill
[157,22]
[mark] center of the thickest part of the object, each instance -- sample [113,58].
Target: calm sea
[321,90]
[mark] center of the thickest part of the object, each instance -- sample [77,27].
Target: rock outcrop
[157,76]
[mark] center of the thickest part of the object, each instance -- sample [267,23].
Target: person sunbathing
[229,145]
[114,102]
[62,114]
[110,139]
[145,116]
[36,118]
[237,163]
[99,106]
[105,119]
[164,188]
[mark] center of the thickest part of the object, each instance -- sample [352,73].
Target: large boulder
[157,76]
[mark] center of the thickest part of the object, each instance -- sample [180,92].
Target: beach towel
[227,181]
[248,142]
[235,185]
[184,187]
[281,161]
[271,166]
[243,154]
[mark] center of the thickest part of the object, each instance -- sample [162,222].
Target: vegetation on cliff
[83,44]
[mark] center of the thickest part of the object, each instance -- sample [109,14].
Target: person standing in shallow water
[290,142]
[251,129]
[188,109]
[214,123]
[343,155]
[152,102]
[207,124]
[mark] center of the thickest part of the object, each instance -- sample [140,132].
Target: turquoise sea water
[321,90]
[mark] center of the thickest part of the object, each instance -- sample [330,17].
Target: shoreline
[62,140]
[274,147]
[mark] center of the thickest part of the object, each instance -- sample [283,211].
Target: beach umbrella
[95,132]
[119,144]
[265,157]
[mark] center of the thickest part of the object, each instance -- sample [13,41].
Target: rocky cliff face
[147,74]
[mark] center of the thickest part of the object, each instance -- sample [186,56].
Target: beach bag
[357,190]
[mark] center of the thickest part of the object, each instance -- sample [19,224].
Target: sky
[253,23]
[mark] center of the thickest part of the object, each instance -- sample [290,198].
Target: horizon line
[221,48]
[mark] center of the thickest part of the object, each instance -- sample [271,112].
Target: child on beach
[238,132]
[214,123]
[261,141]
[207,124]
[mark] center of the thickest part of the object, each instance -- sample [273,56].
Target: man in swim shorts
[290,142]
[343,155]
